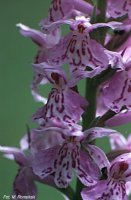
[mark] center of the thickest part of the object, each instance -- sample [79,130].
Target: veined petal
[64,164]
[60,9]
[121,167]
[120,82]
[98,156]
[43,161]
[45,73]
[60,103]
[80,52]
[105,190]
[87,170]
[85,177]
[119,8]
[97,132]
[64,9]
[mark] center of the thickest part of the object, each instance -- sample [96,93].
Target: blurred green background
[16,102]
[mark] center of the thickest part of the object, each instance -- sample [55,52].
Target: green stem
[79,187]
[88,117]
[101,5]
[91,87]
[91,91]
[100,33]
[68,192]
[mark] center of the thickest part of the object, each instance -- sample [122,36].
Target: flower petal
[64,9]
[64,164]
[128,188]
[119,119]
[87,171]
[43,161]
[105,190]
[112,25]
[94,192]
[117,141]
[41,39]
[15,153]
[24,184]
[98,156]
[45,138]
[121,167]
[38,37]
[97,132]
[119,8]
[120,82]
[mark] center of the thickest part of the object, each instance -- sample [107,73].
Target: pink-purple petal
[98,156]
[15,154]
[97,132]
[119,8]
[119,119]
[105,190]
[87,170]
[41,39]
[65,163]
[116,100]
[24,183]
[43,161]
[121,167]
[117,141]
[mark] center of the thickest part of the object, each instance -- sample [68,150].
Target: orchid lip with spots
[66,156]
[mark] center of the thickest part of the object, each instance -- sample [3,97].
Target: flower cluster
[63,144]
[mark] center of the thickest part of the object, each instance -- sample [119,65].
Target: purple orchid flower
[117,91]
[78,49]
[118,142]
[119,8]
[113,188]
[115,97]
[64,9]
[119,119]
[24,181]
[114,94]
[66,155]
[44,42]
[60,107]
